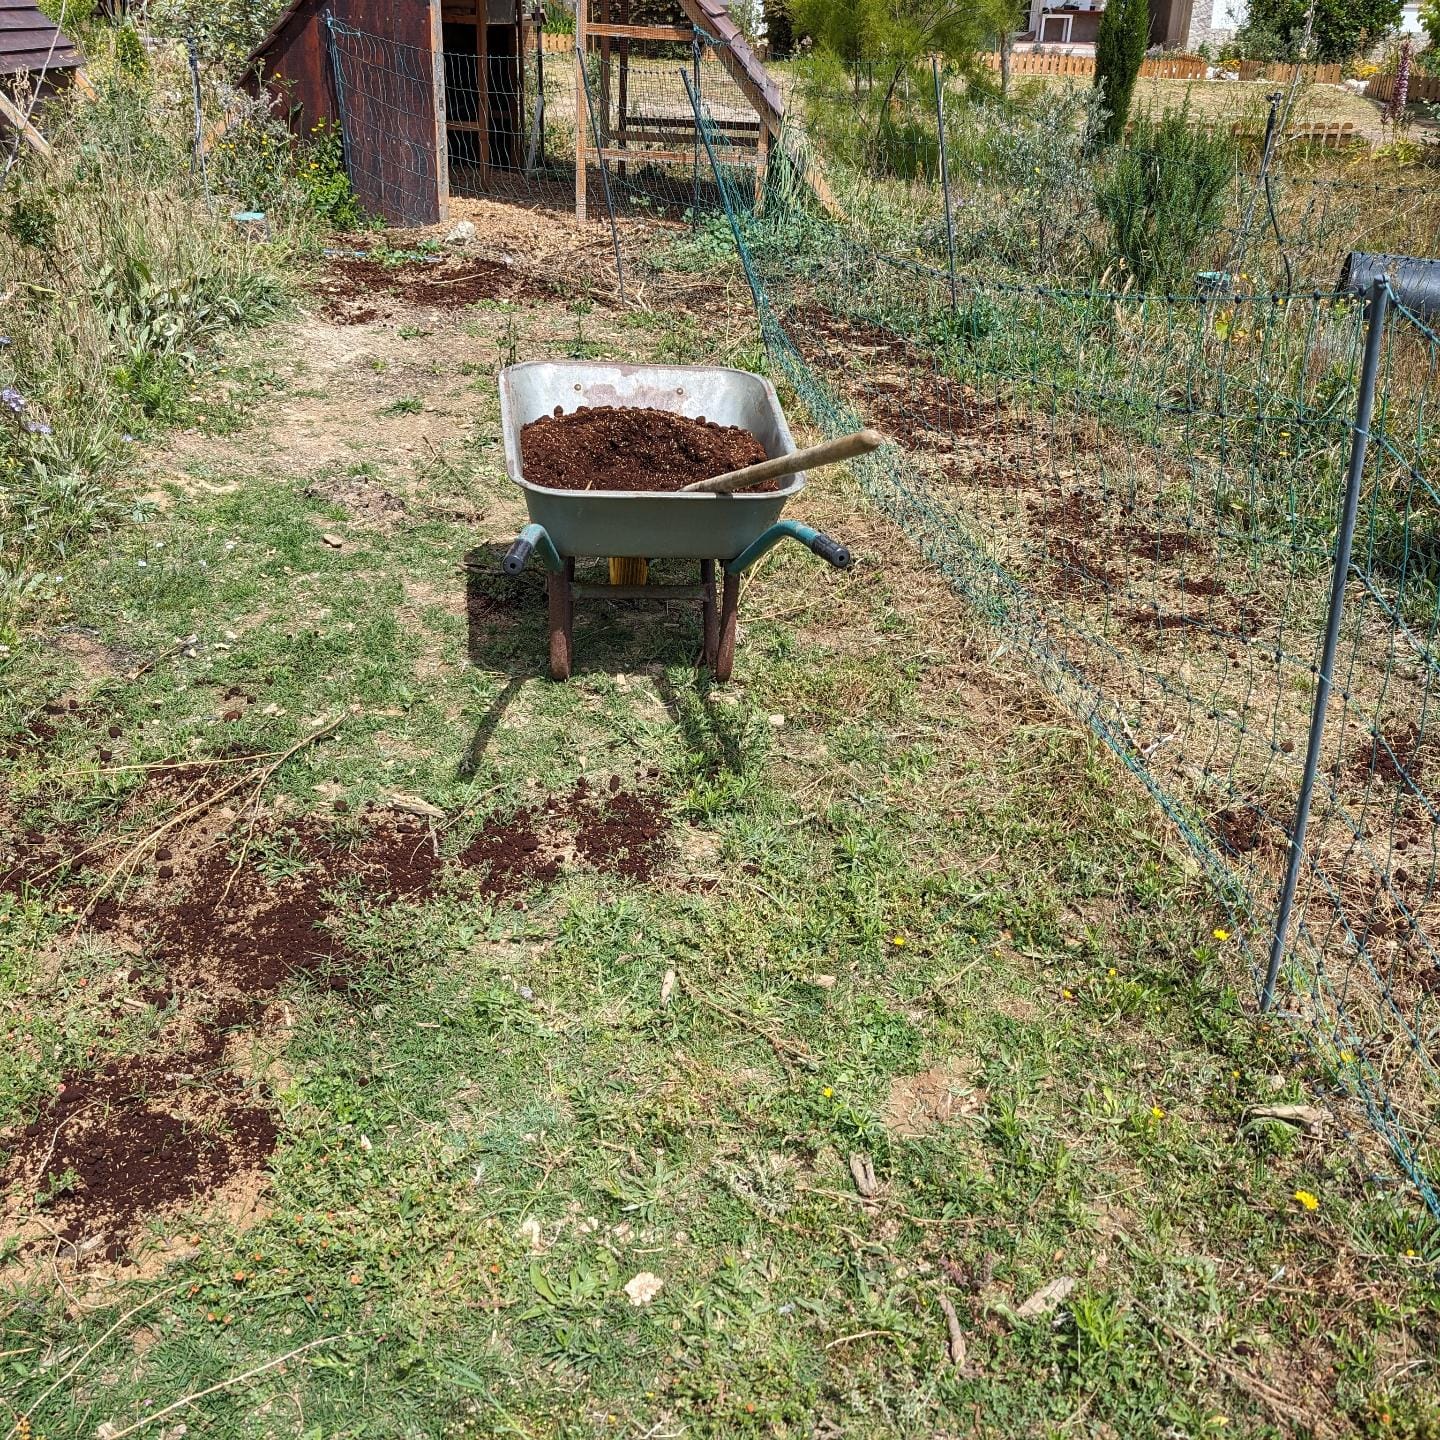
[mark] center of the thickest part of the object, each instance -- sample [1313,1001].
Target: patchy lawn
[399,1044]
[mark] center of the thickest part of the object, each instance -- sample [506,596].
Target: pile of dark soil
[350,284]
[620,831]
[510,856]
[136,1136]
[608,448]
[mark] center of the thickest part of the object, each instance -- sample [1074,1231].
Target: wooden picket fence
[1422,87]
[1283,74]
[1161,67]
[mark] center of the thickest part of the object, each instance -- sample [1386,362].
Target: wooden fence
[1422,87]
[1283,74]
[1161,67]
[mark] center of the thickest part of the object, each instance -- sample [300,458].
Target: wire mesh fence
[1146,496]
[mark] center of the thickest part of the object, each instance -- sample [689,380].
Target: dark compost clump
[631,449]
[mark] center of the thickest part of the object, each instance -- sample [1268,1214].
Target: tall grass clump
[1164,197]
[119,272]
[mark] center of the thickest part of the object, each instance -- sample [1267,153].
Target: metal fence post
[197,154]
[695,54]
[337,78]
[945,178]
[1262,182]
[1377,308]
[604,168]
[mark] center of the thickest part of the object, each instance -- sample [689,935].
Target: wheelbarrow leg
[729,621]
[562,620]
[709,613]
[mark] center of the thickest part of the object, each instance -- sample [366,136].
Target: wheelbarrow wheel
[562,620]
[729,624]
[709,613]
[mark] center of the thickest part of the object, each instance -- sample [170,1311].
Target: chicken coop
[436,99]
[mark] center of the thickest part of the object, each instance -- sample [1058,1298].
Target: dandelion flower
[898,940]
[1112,972]
[1157,1112]
[827,1091]
[1221,935]
[1307,1200]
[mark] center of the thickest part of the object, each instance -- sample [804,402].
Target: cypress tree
[1119,51]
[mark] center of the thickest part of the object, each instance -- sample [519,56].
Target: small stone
[824,982]
[644,1288]
[333,541]
[777,722]
[461,234]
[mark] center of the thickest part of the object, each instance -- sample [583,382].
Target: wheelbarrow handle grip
[516,556]
[832,551]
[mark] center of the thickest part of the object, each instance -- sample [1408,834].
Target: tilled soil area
[352,285]
[217,926]
[606,448]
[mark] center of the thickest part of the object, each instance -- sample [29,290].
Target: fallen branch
[955,1342]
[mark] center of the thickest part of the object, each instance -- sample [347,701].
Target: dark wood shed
[31,43]
[415,84]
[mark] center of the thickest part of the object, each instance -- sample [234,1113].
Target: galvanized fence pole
[197,153]
[1377,308]
[945,178]
[1262,182]
[695,55]
[604,168]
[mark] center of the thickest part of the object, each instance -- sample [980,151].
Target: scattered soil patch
[623,832]
[134,1137]
[610,448]
[511,856]
[1151,544]
[365,502]
[1399,759]
[1248,827]
[349,284]
[39,861]
[1075,567]
[614,829]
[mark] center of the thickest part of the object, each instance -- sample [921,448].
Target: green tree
[1119,52]
[1340,30]
[898,36]
[780,28]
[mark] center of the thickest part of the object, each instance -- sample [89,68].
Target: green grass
[918,870]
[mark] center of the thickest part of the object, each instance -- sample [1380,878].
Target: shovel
[832,452]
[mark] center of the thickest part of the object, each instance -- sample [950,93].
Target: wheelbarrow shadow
[507,633]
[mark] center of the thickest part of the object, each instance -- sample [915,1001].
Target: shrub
[1119,52]
[1164,197]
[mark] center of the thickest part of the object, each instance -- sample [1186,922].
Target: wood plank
[10,111]
[437,85]
[669,157]
[676,33]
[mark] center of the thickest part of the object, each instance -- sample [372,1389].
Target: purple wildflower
[5,341]
[11,397]
[38,427]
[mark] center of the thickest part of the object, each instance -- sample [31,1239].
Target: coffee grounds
[606,448]
[623,833]
[135,1136]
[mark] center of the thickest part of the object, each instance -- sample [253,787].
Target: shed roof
[30,40]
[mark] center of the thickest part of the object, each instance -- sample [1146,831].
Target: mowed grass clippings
[725,1038]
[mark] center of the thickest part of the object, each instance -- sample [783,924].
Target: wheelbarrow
[724,534]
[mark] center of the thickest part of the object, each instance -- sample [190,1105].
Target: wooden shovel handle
[832,452]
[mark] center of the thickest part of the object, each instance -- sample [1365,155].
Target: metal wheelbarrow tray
[729,531]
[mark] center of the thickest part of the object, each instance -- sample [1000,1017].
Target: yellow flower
[1222,935]
[1410,1253]
[1066,995]
[1348,1056]
[1156,1113]
[1111,972]
[898,940]
[1307,1200]
[827,1092]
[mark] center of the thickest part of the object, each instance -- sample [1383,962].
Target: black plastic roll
[1415,280]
